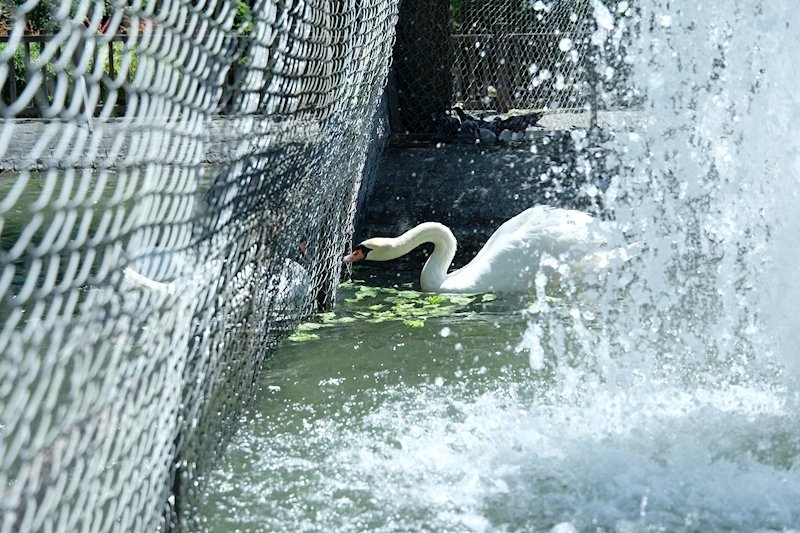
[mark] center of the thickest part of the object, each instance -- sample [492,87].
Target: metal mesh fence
[489,55]
[519,54]
[178,197]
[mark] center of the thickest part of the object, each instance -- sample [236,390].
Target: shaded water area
[97,201]
[454,425]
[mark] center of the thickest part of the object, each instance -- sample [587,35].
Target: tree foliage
[41,18]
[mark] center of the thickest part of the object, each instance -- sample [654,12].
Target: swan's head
[375,249]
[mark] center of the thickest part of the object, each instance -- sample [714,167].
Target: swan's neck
[444,249]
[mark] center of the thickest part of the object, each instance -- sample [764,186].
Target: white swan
[540,239]
[291,289]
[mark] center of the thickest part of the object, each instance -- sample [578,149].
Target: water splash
[708,184]
[686,374]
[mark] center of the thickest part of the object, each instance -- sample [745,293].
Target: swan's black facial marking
[364,249]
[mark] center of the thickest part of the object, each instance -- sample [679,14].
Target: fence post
[12,88]
[80,85]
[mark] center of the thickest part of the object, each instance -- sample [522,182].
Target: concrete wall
[37,144]
[471,188]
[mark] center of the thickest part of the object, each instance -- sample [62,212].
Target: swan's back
[554,230]
[511,257]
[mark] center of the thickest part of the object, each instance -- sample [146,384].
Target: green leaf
[299,336]
[366,292]
[441,311]
[350,284]
[387,290]
[489,297]
[380,319]
[311,326]
[409,295]
[414,323]
[343,320]
[326,317]
[460,300]
[411,306]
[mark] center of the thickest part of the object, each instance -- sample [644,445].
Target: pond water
[446,426]
[72,205]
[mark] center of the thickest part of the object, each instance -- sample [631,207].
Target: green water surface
[389,425]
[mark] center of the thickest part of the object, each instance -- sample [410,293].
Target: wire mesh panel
[422,62]
[178,199]
[488,55]
[519,54]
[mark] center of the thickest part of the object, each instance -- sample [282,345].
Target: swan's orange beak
[357,255]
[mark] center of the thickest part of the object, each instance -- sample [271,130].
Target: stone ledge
[39,144]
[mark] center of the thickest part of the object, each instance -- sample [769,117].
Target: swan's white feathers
[143,283]
[557,230]
[511,257]
[160,270]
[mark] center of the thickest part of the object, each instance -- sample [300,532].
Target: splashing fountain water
[686,375]
[706,184]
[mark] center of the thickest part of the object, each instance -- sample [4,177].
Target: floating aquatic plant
[384,304]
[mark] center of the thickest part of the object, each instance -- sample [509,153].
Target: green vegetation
[243,20]
[117,54]
[383,304]
[471,16]
[243,24]
[40,21]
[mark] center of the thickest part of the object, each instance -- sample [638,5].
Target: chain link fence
[519,54]
[178,198]
[490,57]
